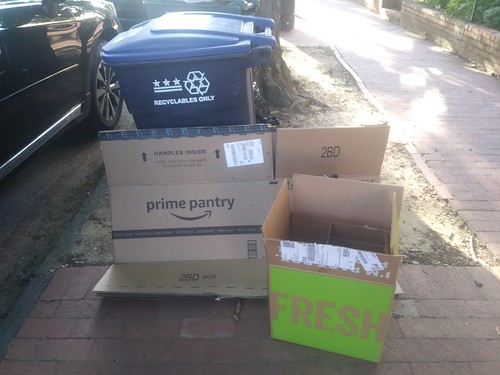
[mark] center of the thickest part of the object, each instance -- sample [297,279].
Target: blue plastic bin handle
[264,38]
[262,22]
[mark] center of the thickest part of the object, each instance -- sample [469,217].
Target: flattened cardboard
[181,222]
[185,155]
[354,153]
[336,306]
[224,278]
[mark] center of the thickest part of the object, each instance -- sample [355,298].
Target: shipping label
[244,153]
[332,256]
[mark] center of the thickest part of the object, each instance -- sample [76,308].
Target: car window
[40,74]
[16,13]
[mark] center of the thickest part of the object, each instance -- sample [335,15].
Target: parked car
[51,73]
[132,12]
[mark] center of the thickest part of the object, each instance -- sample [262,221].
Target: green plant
[491,16]
[486,12]
[460,8]
[435,4]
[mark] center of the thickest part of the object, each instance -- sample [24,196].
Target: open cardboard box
[335,298]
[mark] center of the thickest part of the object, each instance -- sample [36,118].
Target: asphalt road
[39,200]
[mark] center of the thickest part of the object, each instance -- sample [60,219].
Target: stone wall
[478,44]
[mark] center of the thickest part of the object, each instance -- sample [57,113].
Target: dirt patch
[329,94]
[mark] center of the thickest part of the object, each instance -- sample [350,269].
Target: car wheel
[107,101]
[288,22]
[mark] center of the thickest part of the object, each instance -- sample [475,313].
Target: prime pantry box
[331,247]
[182,222]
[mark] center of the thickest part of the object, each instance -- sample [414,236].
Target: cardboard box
[181,222]
[209,278]
[241,153]
[185,155]
[355,153]
[328,297]
[148,243]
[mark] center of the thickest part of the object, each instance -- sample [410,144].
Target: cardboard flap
[348,201]
[182,155]
[395,226]
[345,152]
[277,222]
[223,278]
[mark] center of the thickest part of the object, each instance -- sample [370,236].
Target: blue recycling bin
[188,69]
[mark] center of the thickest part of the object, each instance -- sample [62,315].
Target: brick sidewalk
[447,322]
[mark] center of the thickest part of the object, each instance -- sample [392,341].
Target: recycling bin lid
[184,35]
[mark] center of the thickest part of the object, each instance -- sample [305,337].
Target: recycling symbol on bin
[196,83]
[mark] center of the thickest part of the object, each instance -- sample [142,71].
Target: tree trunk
[273,79]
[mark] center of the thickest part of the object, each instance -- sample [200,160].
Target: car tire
[106,99]
[288,22]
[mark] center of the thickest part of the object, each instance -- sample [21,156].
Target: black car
[132,12]
[51,73]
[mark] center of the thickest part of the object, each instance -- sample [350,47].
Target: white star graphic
[176,82]
[156,83]
[166,82]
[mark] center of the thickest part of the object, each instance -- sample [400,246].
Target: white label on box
[244,153]
[330,256]
[294,252]
[369,261]
[347,258]
[323,255]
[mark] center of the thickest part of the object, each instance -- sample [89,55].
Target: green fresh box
[326,296]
